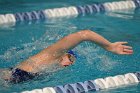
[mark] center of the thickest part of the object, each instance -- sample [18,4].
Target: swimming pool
[27,38]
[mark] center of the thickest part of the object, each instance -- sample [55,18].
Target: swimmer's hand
[120,48]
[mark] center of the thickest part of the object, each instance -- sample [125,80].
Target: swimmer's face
[67,59]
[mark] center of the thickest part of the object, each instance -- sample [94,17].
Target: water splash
[25,50]
[106,63]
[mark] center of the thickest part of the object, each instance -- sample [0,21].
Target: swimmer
[60,53]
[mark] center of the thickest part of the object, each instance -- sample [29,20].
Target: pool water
[28,38]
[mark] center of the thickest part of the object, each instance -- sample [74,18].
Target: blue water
[27,38]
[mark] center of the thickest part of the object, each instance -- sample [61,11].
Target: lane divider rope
[68,11]
[92,85]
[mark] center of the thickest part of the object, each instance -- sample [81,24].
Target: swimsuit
[19,75]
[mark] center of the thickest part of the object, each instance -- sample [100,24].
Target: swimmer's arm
[70,41]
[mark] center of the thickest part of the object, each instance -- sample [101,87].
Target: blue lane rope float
[92,85]
[68,11]
[137,3]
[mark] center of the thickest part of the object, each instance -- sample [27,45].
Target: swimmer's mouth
[66,65]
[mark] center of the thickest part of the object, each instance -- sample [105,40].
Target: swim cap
[72,53]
